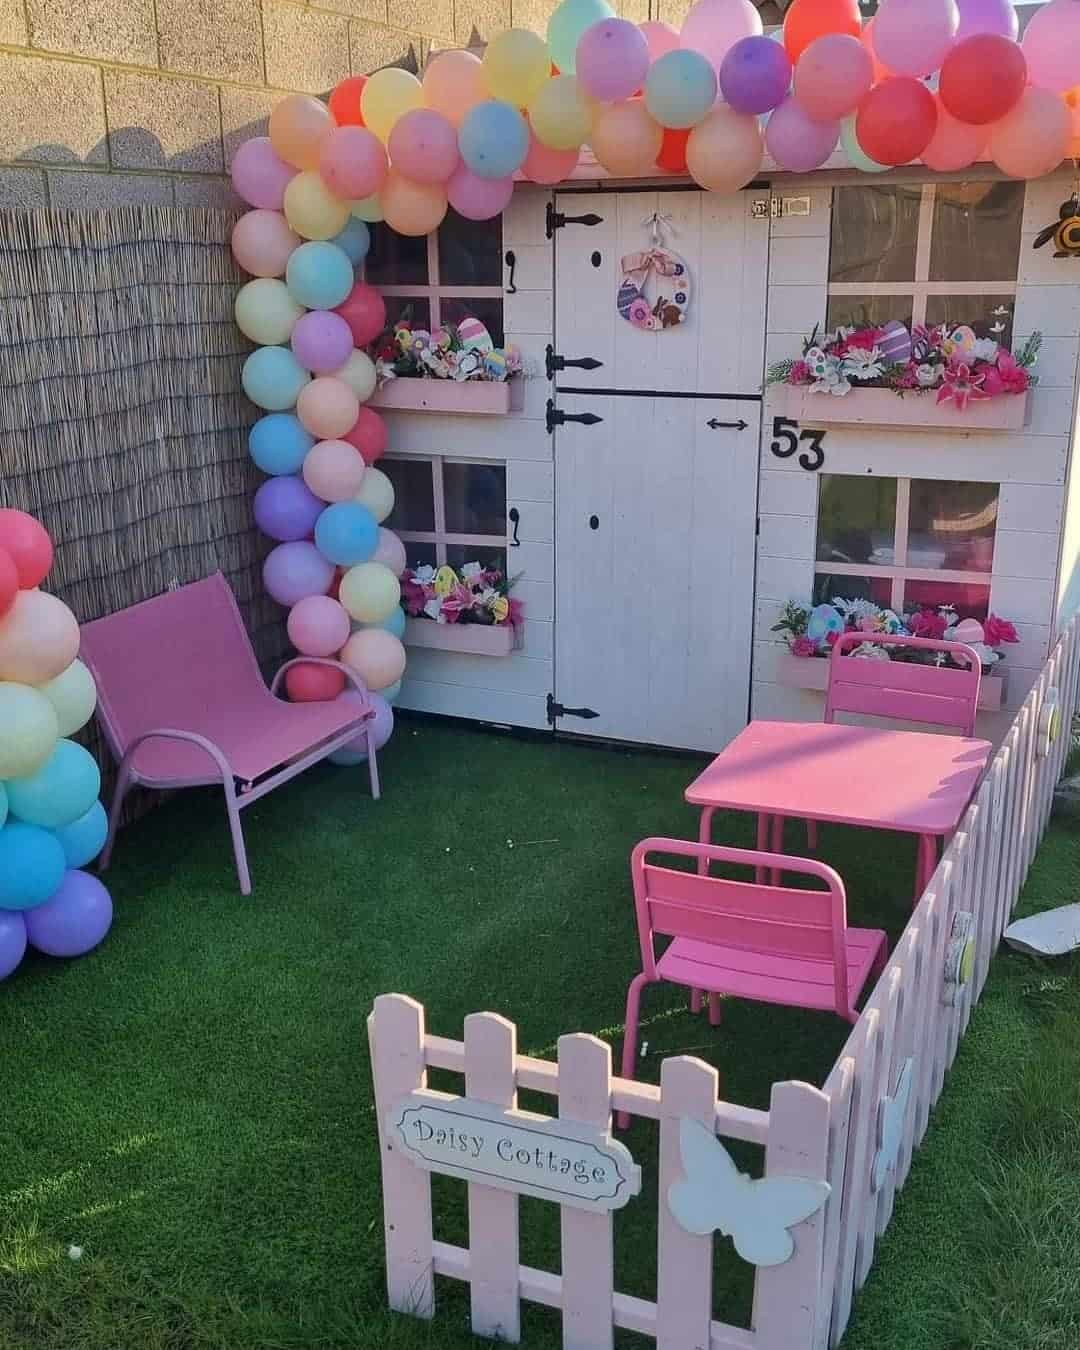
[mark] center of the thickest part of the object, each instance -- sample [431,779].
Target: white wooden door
[656,503]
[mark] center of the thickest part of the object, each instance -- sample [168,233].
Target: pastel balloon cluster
[51,821]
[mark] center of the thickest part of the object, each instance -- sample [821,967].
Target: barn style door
[656,466]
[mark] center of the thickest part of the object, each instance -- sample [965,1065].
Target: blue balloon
[391,692]
[62,790]
[354,240]
[395,624]
[319,274]
[3,805]
[272,378]
[494,139]
[680,88]
[31,865]
[346,533]
[278,443]
[84,838]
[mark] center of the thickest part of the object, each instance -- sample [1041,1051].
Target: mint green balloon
[857,156]
[63,789]
[566,26]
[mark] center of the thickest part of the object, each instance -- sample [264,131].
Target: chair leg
[704,837]
[811,836]
[237,832]
[696,999]
[123,782]
[373,766]
[716,1011]
[777,846]
[630,1036]
[764,826]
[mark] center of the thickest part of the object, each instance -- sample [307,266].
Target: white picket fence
[845,1133]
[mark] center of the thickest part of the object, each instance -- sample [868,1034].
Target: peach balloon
[412,208]
[454,84]
[377,656]
[390,551]
[625,139]
[39,638]
[298,126]
[832,75]
[1072,102]
[544,165]
[724,152]
[1034,138]
[327,407]
[954,145]
[311,208]
[262,243]
[333,470]
[661,37]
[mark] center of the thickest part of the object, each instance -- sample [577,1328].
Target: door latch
[553,362]
[555,417]
[557,710]
[714,424]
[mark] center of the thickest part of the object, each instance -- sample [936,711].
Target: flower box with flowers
[455,369]
[932,377]
[466,611]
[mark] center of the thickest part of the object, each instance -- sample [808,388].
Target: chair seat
[799,981]
[256,738]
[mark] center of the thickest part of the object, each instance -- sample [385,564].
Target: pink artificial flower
[415,595]
[927,623]
[960,386]
[799,374]
[832,638]
[456,603]
[517,612]
[996,631]
[804,646]
[908,377]
[865,340]
[1007,376]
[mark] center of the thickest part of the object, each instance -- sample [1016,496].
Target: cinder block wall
[110,102]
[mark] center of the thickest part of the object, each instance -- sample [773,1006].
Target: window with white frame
[442,277]
[449,510]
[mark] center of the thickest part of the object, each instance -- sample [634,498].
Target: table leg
[705,837]
[927,864]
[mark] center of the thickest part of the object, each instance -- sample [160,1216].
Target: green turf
[191,1103]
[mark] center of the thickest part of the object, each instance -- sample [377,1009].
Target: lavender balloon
[987,16]
[74,921]
[321,341]
[12,940]
[797,143]
[755,76]
[296,570]
[612,59]
[355,752]
[286,508]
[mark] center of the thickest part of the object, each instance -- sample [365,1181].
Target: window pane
[489,310]
[971,601]
[414,494]
[976,232]
[409,309]
[396,259]
[874,233]
[952,525]
[988,315]
[457,555]
[856,519]
[856,311]
[829,587]
[475,496]
[419,555]
[470,251]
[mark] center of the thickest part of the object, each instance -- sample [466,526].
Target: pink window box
[812,672]
[471,397]
[883,408]
[477,638]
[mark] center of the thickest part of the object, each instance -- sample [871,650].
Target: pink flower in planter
[832,638]
[866,339]
[414,595]
[996,631]
[1007,376]
[927,624]
[517,612]
[799,373]
[960,386]
[804,646]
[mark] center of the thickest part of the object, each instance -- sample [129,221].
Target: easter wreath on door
[671,292]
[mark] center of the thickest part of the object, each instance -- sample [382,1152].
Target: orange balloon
[724,152]
[1072,102]
[672,154]
[453,84]
[625,139]
[810,19]
[1032,139]
[298,126]
[345,101]
[412,208]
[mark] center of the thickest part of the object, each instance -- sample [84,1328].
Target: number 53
[786,439]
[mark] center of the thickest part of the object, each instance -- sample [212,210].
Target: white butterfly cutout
[892,1113]
[716,1196]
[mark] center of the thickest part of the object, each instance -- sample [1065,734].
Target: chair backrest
[908,691]
[777,920]
[171,661]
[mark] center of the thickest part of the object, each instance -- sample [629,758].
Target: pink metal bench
[182,703]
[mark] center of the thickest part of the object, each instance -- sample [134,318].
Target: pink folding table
[914,782]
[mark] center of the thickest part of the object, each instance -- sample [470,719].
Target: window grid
[434,292]
[440,537]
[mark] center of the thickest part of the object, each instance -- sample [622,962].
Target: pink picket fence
[858,1133]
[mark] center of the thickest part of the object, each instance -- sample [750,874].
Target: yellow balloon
[517,65]
[298,126]
[625,139]
[376,493]
[724,152]
[311,208]
[266,312]
[388,95]
[73,695]
[368,208]
[560,114]
[28,730]
[358,373]
[412,208]
[370,592]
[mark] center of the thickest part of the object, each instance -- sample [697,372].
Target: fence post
[588,1241]
[490,1048]
[396,1037]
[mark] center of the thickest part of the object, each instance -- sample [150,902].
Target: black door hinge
[554,417]
[556,710]
[715,424]
[553,362]
[556,220]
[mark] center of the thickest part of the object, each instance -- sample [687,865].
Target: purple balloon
[259,176]
[12,940]
[355,752]
[294,571]
[987,16]
[74,921]
[286,508]
[321,341]
[755,75]
[795,141]
[612,59]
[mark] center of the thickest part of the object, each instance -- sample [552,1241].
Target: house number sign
[786,440]
[514,1150]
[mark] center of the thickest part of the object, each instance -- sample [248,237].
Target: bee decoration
[1065,231]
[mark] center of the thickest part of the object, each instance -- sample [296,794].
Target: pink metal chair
[745,939]
[182,703]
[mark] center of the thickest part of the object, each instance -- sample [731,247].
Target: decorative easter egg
[963,340]
[495,365]
[474,336]
[824,619]
[895,343]
[969,631]
[628,293]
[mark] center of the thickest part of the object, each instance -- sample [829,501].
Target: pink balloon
[1033,139]
[612,60]
[352,161]
[714,26]
[259,176]
[913,37]
[390,551]
[334,470]
[832,76]
[987,16]
[262,243]
[955,145]
[795,141]
[424,147]
[544,165]
[321,341]
[318,626]
[660,37]
[478,198]
[1052,46]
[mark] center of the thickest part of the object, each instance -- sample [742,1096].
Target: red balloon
[365,313]
[369,435]
[28,543]
[896,120]
[983,78]
[9,581]
[345,102]
[807,20]
[672,154]
[313,684]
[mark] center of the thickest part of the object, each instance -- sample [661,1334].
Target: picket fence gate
[859,1132]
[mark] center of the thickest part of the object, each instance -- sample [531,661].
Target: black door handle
[515,520]
[511,262]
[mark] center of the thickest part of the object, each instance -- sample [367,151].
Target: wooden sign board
[514,1151]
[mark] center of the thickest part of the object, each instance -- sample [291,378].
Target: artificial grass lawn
[191,1103]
